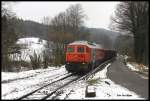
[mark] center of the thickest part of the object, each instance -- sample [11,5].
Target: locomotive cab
[82,56]
[75,54]
[77,57]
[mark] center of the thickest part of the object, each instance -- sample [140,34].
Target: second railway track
[42,91]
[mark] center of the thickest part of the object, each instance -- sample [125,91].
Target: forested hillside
[31,29]
[104,37]
[34,29]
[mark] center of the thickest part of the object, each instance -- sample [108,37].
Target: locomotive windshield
[81,49]
[70,49]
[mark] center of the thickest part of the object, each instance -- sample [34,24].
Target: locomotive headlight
[83,63]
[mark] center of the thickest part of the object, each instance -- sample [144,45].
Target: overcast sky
[98,13]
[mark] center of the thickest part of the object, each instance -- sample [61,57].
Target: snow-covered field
[30,45]
[19,87]
[7,76]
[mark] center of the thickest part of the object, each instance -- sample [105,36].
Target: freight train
[83,56]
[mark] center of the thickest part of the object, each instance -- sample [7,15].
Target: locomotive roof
[89,44]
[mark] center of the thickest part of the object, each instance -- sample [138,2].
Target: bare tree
[133,18]
[75,17]
[46,20]
[9,36]
[66,27]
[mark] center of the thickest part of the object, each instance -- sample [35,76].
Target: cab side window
[80,49]
[70,49]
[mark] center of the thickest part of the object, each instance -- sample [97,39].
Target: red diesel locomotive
[82,56]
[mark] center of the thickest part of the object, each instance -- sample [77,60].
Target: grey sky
[98,13]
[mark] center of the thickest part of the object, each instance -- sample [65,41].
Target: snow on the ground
[101,74]
[133,67]
[136,67]
[143,70]
[31,45]
[104,87]
[16,75]
[20,87]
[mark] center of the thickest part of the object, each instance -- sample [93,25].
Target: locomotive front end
[76,58]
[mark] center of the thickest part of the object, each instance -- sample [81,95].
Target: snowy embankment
[9,76]
[29,46]
[135,67]
[19,87]
[104,87]
[140,69]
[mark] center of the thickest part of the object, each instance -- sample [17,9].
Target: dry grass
[92,81]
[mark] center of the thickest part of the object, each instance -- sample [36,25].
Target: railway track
[95,70]
[49,89]
[42,91]
[83,77]
[40,84]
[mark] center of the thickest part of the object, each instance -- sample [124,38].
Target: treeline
[124,45]
[13,29]
[9,37]
[133,18]
[105,38]
[28,28]
[64,28]
[59,31]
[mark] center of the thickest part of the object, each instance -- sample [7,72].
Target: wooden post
[90,91]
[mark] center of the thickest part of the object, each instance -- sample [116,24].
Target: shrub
[45,59]
[35,60]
